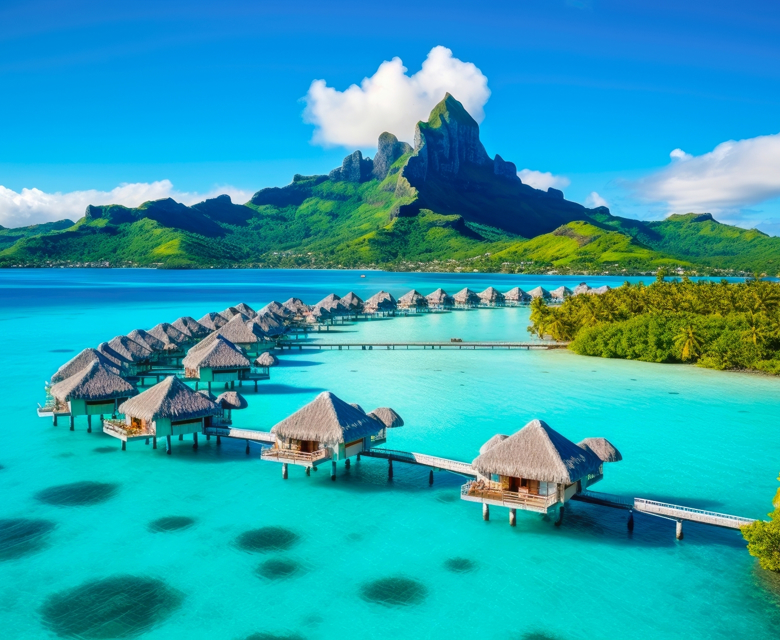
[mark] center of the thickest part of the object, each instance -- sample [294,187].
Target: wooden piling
[72,423]
[208,437]
[348,463]
[284,471]
[54,419]
[154,442]
[89,423]
[430,478]
[560,517]
[308,471]
[485,511]
[194,440]
[333,470]
[219,441]
[630,523]
[181,437]
[389,469]
[247,447]
[124,445]
[168,445]
[679,530]
[513,517]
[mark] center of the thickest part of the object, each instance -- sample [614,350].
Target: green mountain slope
[442,204]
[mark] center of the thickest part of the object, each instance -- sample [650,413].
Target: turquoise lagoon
[692,436]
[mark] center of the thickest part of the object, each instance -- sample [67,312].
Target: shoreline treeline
[719,325]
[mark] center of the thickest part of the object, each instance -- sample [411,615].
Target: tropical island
[442,205]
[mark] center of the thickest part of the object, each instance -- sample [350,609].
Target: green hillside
[443,205]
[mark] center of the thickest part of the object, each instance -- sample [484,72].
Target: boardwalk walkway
[434,462]
[251,435]
[368,346]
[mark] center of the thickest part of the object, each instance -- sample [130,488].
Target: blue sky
[207,95]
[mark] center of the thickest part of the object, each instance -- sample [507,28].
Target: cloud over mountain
[393,101]
[543,179]
[33,206]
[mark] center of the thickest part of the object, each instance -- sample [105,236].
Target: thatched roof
[412,299]
[582,287]
[538,452]
[388,417]
[539,292]
[169,334]
[146,339]
[208,394]
[117,358]
[382,301]
[491,295]
[81,360]
[331,303]
[516,294]
[191,327]
[230,313]
[439,298]
[466,296]
[219,354]
[171,399]
[243,307]
[207,341]
[296,305]
[496,439]
[232,400]
[357,406]
[240,331]
[603,448]
[130,349]
[266,359]
[269,325]
[213,321]
[329,420]
[560,293]
[599,290]
[320,313]
[94,382]
[277,309]
[352,301]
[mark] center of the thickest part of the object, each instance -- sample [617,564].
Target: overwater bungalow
[319,315]
[389,419]
[139,354]
[412,301]
[125,364]
[169,408]
[439,300]
[516,296]
[243,307]
[171,336]
[95,390]
[382,303]
[191,327]
[213,321]
[220,361]
[230,401]
[330,302]
[466,299]
[154,344]
[491,297]
[271,326]
[560,294]
[536,469]
[581,288]
[81,360]
[353,303]
[325,429]
[247,334]
[230,313]
[263,363]
[277,309]
[540,292]
[298,307]
[599,290]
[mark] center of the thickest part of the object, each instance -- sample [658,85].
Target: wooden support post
[154,442]
[389,469]
[124,445]
[284,471]
[358,456]
[679,531]
[308,471]
[196,385]
[255,386]
[430,478]
[560,517]
[54,419]
[347,463]
[194,440]
[247,447]
[333,470]
[512,517]
[630,523]
[89,424]
[485,511]
[181,437]
[219,441]
[72,423]
[168,445]
[146,442]
[208,437]
[240,383]
[209,384]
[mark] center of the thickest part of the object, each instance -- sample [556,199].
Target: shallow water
[688,435]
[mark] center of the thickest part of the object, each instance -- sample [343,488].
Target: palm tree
[755,332]
[689,342]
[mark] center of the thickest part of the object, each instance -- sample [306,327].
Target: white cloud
[595,200]
[33,206]
[392,101]
[543,179]
[731,177]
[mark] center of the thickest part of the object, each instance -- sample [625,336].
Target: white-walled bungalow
[169,408]
[560,294]
[539,292]
[536,469]
[325,429]
[466,298]
[219,361]
[516,296]
[439,300]
[213,321]
[95,390]
[382,303]
[412,301]
[191,328]
[491,297]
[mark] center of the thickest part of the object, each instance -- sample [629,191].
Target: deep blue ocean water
[698,437]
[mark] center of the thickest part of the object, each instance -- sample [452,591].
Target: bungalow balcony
[293,456]
[480,491]
[123,431]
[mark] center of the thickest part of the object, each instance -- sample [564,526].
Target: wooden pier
[368,346]
[434,462]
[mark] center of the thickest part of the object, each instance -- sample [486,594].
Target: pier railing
[689,513]
[475,489]
[121,428]
[295,456]
[422,459]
